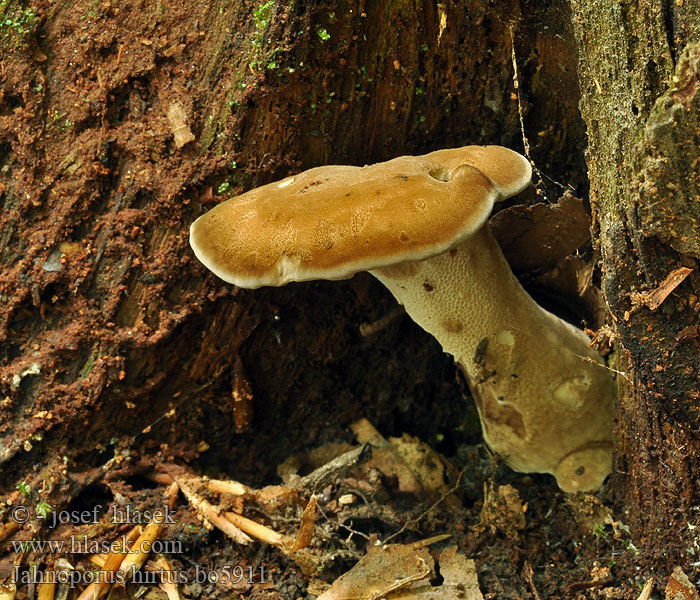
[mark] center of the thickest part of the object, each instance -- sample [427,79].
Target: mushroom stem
[544,397]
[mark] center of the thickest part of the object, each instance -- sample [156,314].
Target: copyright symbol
[20,514]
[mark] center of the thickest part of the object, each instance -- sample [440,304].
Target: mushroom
[419,225]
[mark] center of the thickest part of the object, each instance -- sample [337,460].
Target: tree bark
[639,75]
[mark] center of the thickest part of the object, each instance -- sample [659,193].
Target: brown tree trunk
[639,76]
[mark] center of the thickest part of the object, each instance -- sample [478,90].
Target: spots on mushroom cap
[324,233]
[571,392]
[451,325]
[359,219]
[499,414]
[505,338]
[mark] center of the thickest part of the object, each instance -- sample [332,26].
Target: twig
[168,577]
[228,487]
[111,566]
[212,515]
[142,548]
[528,576]
[262,532]
[338,467]
[647,590]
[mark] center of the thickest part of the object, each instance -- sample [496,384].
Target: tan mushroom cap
[331,222]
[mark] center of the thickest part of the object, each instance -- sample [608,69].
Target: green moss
[261,15]
[17,20]
[89,363]
[57,121]
[43,510]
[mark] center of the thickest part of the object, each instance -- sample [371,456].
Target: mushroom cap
[331,222]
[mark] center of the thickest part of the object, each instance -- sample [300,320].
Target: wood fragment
[168,577]
[107,573]
[655,298]
[647,590]
[242,396]
[211,514]
[98,559]
[436,539]
[173,491]
[178,125]
[335,469]
[234,488]
[257,530]
[7,529]
[528,575]
[47,589]
[368,329]
[161,478]
[579,586]
[63,589]
[142,548]
[679,587]
[308,522]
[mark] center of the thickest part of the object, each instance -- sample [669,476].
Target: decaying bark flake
[655,298]
[178,124]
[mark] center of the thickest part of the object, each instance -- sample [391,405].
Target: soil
[120,354]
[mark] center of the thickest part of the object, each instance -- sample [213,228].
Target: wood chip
[211,514]
[306,529]
[234,488]
[679,587]
[107,574]
[7,529]
[655,298]
[178,125]
[647,590]
[257,530]
[168,578]
[142,548]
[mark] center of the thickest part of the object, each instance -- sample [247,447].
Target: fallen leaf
[384,569]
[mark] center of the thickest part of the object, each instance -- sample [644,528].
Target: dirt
[120,354]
